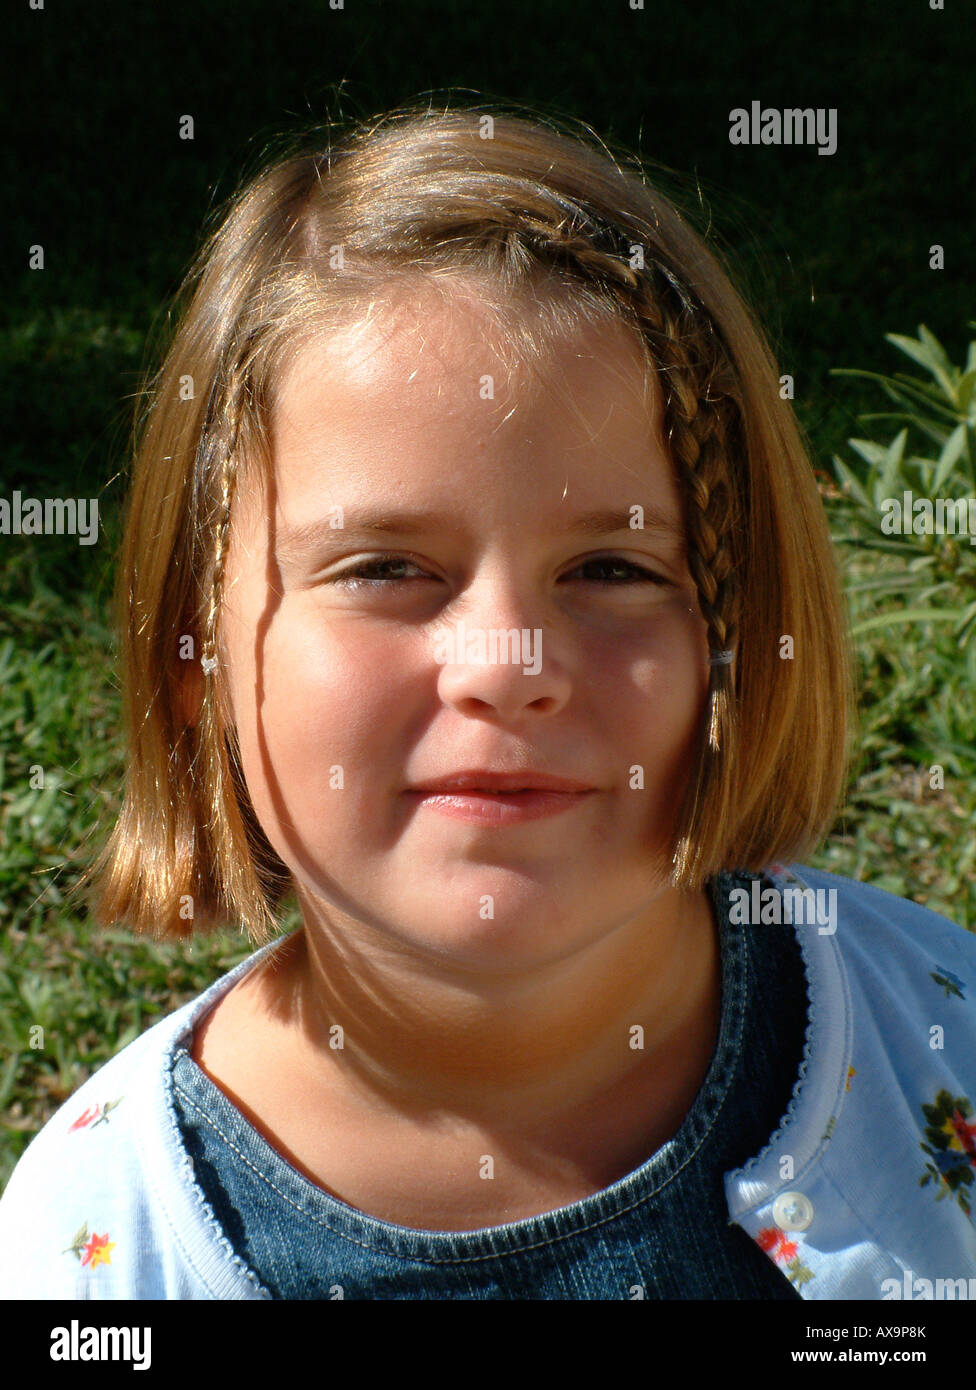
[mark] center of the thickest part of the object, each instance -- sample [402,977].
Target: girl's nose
[505,671]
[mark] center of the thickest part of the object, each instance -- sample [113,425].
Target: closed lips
[501,783]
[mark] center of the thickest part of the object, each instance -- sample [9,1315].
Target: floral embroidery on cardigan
[92,1250]
[949,982]
[832,1122]
[94,1115]
[952,1148]
[780,1248]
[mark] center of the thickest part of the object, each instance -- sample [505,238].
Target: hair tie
[722,658]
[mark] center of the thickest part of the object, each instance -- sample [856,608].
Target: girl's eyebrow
[293,542]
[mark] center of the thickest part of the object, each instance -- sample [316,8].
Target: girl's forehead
[410,416]
[453,400]
[451,345]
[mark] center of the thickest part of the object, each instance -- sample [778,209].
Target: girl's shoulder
[81,1182]
[89,1208]
[845,1196]
[866,919]
[872,955]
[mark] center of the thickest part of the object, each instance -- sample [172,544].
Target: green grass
[917,710]
[90,991]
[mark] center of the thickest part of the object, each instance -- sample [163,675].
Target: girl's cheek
[669,653]
[312,667]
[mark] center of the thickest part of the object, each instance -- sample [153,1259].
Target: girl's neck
[634,1015]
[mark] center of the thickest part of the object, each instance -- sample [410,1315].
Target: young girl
[476,587]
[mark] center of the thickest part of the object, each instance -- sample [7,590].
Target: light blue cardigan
[861,1194]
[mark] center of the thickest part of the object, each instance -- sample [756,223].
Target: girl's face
[337,638]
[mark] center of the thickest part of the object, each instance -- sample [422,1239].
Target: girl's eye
[633,574]
[366,574]
[354,578]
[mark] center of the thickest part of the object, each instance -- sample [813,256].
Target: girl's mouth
[485,807]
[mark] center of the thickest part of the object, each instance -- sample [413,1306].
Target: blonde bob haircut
[534,210]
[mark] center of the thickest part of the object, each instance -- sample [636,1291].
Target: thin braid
[228,479]
[697,430]
[218,765]
[241,890]
[697,441]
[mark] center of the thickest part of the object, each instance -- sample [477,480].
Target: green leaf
[950,455]
[910,391]
[871,452]
[924,391]
[903,389]
[940,357]
[8,1077]
[894,581]
[928,352]
[966,622]
[848,480]
[891,467]
[878,541]
[905,615]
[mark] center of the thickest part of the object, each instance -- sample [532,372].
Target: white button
[792,1211]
